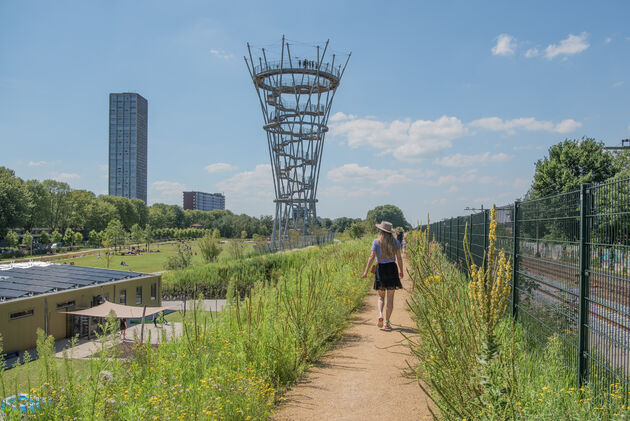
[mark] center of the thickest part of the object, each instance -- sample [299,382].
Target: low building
[196,200]
[37,295]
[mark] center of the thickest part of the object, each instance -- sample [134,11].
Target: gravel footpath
[363,378]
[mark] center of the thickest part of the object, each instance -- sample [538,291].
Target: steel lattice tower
[295,94]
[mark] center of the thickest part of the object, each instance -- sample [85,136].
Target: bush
[469,376]
[231,365]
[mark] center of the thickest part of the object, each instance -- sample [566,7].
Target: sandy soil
[363,378]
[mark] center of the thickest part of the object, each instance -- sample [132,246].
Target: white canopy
[119,311]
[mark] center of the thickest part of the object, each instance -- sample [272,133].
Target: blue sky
[444,105]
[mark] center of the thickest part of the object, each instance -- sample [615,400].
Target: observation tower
[296,88]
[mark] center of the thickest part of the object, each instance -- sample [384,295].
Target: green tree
[209,248]
[356,230]
[137,233]
[56,237]
[107,242]
[27,240]
[78,237]
[44,238]
[68,237]
[343,223]
[569,164]
[243,234]
[15,201]
[60,207]
[102,212]
[182,259]
[148,235]
[93,238]
[82,203]
[114,234]
[216,234]
[389,213]
[39,216]
[12,239]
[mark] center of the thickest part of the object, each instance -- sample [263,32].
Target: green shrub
[232,365]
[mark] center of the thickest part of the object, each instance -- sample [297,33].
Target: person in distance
[387,275]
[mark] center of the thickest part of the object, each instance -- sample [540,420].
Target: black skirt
[387,276]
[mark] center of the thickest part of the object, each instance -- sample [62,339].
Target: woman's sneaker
[379,323]
[387,325]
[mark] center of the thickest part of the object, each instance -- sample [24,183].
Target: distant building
[128,146]
[37,295]
[196,200]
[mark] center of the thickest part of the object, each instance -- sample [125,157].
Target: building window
[123,296]
[66,304]
[138,295]
[20,314]
[153,290]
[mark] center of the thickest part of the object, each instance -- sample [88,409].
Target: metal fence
[571,276]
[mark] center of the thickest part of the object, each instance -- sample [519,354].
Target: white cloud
[453,189]
[221,54]
[452,179]
[505,45]
[251,192]
[358,192]
[532,52]
[354,173]
[339,116]
[608,40]
[37,163]
[219,167]
[525,123]
[461,160]
[573,44]
[170,192]
[617,84]
[406,140]
[65,176]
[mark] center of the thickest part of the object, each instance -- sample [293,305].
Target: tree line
[70,213]
[55,205]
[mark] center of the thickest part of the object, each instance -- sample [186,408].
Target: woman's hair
[388,245]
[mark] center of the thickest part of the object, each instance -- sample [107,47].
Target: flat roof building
[37,295]
[128,120]
[196,200]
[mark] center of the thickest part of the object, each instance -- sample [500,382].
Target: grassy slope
[18,379]
[146,262]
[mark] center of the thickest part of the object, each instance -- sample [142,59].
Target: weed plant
[232,365]
[521,381]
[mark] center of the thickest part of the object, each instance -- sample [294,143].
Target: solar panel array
[27,282]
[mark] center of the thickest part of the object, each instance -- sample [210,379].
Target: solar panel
[19,281]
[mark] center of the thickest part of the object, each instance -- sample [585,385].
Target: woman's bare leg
[390,304]
[381,303]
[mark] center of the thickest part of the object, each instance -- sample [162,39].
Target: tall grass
[520,380]
[228,366]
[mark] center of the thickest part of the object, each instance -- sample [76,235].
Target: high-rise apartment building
[128,145]
[197,200]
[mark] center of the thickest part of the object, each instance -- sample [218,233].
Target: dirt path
[362,378]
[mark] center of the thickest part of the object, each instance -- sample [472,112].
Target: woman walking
[386,250]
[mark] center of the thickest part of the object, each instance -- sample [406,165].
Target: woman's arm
[401,271]
[369,264]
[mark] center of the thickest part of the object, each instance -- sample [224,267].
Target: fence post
[485,235]
[457,242]
[470,234]
[585,201]
[515,262]
[450,238]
